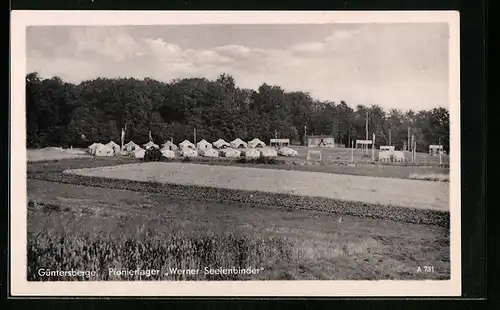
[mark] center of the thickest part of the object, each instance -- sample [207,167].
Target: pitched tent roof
[238,143]
[169,146]
[114,146]
[204,144]
[221,143]
[150,144]
[186,143]
[131,146]
[93,147]
[131,143]
[256,143]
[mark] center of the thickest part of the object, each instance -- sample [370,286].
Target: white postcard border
[19,285]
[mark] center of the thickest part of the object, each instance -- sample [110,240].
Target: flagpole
[123,138]
[366,145]
[373,147]
[305,135]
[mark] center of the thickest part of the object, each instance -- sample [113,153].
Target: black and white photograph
[314,153]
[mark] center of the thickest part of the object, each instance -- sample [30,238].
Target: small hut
[286,151]
[116,148]
[168,154]
[209,153]
[104,150]
[268,153]
[256,143]
[93,147]
[187,145]
[150,144]
[435,149]
[250,153]
[238,144]
[129,147]
[189,152]
[320,141]
[221,144]
[138,153]
[169,146]
[230,153]
[204,145]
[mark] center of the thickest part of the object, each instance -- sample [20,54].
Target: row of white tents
[236,148]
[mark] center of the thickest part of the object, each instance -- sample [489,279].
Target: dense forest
[64,114]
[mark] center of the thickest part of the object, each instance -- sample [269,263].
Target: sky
[401,66]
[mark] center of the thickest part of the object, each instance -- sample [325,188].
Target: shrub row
[257,198]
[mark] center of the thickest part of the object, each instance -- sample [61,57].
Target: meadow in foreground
[88,228]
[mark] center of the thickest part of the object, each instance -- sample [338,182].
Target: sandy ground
[54,154]
[373,190]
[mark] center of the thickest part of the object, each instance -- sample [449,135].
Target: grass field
[150,225]
[100,228]
[344,154]
[36,155]
[410,193]
[46,159]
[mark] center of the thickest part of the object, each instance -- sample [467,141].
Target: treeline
[64,114]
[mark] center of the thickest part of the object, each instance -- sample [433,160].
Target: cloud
[390,65]
[234,51]
[110,42]
[311,47]
[162,50]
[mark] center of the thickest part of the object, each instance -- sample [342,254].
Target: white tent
[186,144]
[256,143]
[139,152]
[230,153]
[286,151]
[169,146]
[209,153]
[250,153]
[203,145]
[268,153]
[188,152]
[150,144]
[93,147]
[221,144]
[238,144]
[129,147]
[168,154]
[104,150]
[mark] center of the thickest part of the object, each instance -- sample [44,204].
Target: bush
[152,154]
[258,160]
